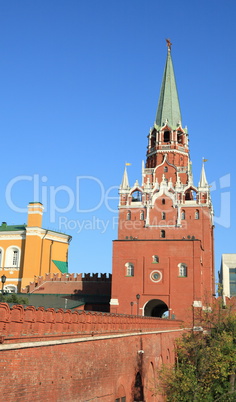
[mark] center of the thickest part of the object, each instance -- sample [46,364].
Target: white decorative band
[197,303]
[114,302]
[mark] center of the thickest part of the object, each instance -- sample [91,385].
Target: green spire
[168,107]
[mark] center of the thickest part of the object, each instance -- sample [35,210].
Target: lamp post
[138,297]
[3,279]
[131,306]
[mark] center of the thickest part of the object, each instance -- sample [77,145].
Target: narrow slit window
[166,136]
[15,258]
[179,138]
[155,258]
[163,234]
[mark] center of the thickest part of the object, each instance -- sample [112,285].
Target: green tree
[205,365]
[13,298]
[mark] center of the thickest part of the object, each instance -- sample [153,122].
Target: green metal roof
[62,266]
[8,228]
[5,228]
[168,110]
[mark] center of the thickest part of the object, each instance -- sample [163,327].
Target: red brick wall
[177,292]
[59,356]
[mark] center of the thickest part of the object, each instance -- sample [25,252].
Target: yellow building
[29,250]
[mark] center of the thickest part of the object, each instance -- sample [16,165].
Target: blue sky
[80,82]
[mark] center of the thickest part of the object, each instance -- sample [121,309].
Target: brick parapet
[20,324]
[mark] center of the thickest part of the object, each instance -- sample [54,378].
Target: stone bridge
[63,355]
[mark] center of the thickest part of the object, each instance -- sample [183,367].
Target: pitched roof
[125,180]
[13,228]
[168,110]
[203,180]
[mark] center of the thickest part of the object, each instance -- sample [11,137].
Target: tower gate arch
[155,308]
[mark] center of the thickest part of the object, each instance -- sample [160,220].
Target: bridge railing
[29,322]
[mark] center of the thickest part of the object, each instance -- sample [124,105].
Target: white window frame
[1,257]
[11,262]
[129,269]
[155,259]
[12,288]
[182,270]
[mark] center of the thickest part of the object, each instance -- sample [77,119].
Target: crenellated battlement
[40,281]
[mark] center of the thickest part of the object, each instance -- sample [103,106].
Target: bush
[13,298]
[205,368]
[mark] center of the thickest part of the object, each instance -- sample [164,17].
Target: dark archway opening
[138,388]
[136,196]
[190,194]
[156,308]
[166,136]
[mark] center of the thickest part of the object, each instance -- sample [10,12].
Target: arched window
[163,215]
[179,138]
[163,201]
[12,257]
[153,141]
[128,217]
[155,258]
[1,257]
[141,215]
[182,269]
[183,215]
[15,258]
[163,234]
[166,136]
[10,289]
[129,269]
[165,169]
[136,196]
[197,214]
[190,195]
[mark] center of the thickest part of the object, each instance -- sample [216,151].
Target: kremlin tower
[163,258]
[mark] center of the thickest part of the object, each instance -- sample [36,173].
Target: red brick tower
[163,258]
